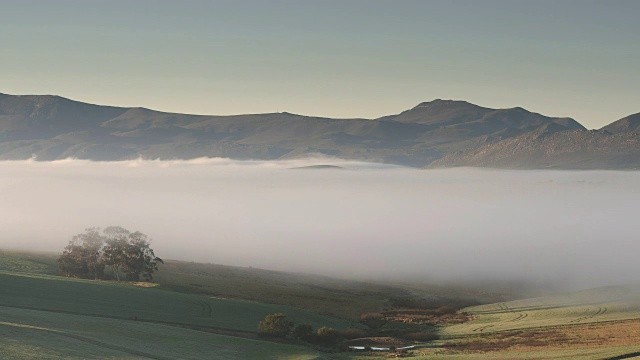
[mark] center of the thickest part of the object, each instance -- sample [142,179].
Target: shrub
[372,320]
[327,336]
[446,310]
[422,336]
[303,332]
[275,325]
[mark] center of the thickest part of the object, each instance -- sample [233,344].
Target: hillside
[580,150]
[345,299]
[53,317]
[52,127]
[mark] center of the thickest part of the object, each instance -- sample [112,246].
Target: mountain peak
[444,103]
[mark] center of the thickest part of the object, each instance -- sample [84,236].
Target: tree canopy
[88,255]
[275,325]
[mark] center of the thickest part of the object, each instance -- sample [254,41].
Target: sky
[366,221]
[327,58]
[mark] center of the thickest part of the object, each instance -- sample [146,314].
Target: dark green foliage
[275,325]
[82,256]
[327,336]
[89,253]
[303,332]
[141,260]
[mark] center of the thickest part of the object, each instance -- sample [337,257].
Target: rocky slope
[594,149]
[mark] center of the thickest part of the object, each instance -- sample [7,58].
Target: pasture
[151,304]
[35,334]
[611,303]
[211,311]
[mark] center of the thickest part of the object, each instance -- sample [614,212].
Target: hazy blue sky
[327,58]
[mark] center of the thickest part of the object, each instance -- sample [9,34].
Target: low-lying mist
[364,221]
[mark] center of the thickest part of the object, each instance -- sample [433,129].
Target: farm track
[601,310]
[206,308]
[482,328]
[209,329]
[503,309]
[625,356]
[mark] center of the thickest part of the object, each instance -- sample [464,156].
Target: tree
[88,254]
[114,255]
[275,325]
[71,261]
[303,332]
[92,242]
[327,336]
[81,257]
[141,260]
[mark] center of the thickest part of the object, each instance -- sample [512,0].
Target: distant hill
[626,124]
[52,127]
[580,150]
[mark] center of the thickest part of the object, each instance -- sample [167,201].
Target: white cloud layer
[367,220]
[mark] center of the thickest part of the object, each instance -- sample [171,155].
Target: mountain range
[440,133]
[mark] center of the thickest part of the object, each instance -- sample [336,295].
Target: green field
[124,301]
[590,306]
[330,296]
[45,316]
[34,334]
[56,317]
[336,297]
[200,311]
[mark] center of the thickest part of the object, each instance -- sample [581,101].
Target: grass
[335,297]
[124,301]
[196,305]
[589,306]
[31,334]
[28,262]
[51,317]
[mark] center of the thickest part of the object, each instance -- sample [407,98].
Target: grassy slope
[341,298]
[31,334]
[45,316]
[122,301]
[335,297]
[88,319]
[596,305]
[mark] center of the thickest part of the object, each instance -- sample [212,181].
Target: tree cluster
[90,254]
[277,325]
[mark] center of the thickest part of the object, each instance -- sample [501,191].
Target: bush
[422,336]
[372,320]
[303,332]
[327,336]
[275,325]
[446,310]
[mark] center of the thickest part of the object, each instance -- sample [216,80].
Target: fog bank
[367,220]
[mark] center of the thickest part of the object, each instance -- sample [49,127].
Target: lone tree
[88,254]
[275,325]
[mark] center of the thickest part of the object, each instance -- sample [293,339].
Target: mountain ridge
[52,127]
